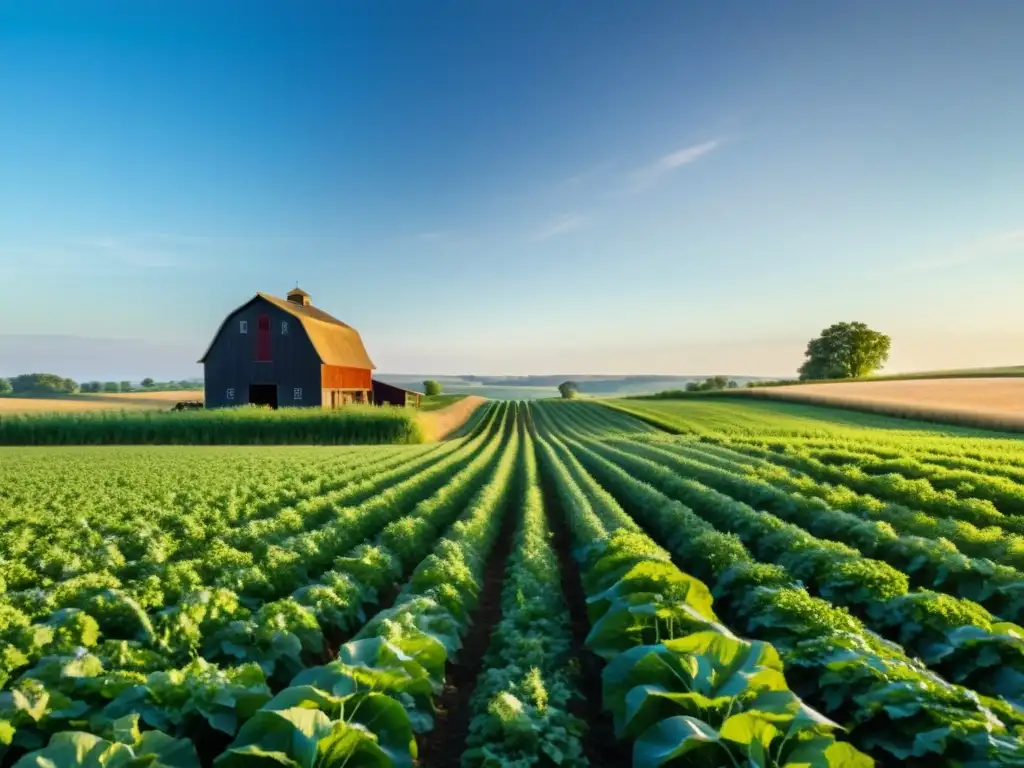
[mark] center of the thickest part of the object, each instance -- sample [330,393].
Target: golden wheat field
[997,402]
[95,402]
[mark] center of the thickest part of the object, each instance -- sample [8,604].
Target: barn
[286,352]
[389,394]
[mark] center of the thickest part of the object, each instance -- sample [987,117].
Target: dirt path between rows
[443,746]
[437,425]
[599,744]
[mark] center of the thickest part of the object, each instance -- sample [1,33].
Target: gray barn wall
[231,361]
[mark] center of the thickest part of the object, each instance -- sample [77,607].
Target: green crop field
[706,583]
[714,415]
[352,425]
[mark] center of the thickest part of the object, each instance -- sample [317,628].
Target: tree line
[52,384]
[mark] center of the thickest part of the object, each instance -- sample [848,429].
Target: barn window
[243,326]
[263,339]
[230,394]
[297,393]
[284,327]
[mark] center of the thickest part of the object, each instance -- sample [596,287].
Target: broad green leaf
[167,751]
[729,666]
[671,739]
[292,732]
[646,705]
[753,733]
[352,745]
[387,720]
[76,749]
[787,710]
[125,730]
[660,578]
[825,752]
[309,697]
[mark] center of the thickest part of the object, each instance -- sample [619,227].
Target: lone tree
[147,382]
[431,388]
[5,387]
[569,389]
[845,351]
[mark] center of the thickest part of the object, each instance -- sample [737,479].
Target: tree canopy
[569,389]
[710,384]
[5,387]
[42,384]
[431,388]
[844,351]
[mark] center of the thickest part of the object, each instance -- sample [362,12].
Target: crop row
[893,705]
[925,561]
[273,641]
[916,492]
[678,683]
[955,636]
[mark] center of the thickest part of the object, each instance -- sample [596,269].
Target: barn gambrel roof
[335,342]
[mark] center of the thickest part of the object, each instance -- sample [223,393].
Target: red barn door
[263,339]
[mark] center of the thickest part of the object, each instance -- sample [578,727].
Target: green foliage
[77,749]
[521,701]
[355,424]
[153,594]
[431,388]
[568,390]
[29,384]
[711,384]
[845,350]
[5,387]
[896,707]
[147,383]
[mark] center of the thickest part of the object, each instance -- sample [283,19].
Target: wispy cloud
[560,226]
[1000,244]
[653,173]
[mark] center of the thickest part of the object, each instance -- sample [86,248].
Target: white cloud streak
[651,174]
[561,226]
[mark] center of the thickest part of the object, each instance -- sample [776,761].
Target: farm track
[477,588]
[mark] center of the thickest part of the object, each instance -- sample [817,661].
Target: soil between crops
[443,746]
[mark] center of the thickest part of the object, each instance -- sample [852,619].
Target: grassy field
[710,415]
[560,584]
[437,402]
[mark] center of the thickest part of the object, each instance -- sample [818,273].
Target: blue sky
[521,187]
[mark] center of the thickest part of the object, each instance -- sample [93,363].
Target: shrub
[569,389]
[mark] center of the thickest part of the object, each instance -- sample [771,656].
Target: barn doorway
[263,394]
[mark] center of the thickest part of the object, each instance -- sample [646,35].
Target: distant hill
[533,387]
